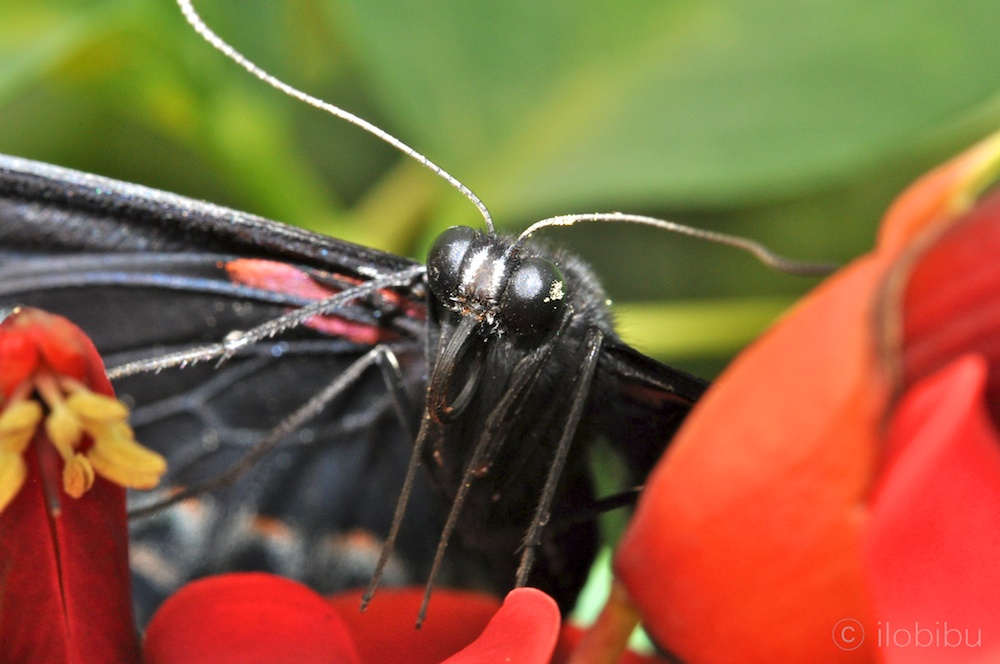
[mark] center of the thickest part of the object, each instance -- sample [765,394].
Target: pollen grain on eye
[556,291]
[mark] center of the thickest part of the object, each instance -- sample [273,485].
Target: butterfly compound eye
[535,298]
[445,259]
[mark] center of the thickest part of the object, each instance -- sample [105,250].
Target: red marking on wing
[283,278]
[277,277]
[650,396]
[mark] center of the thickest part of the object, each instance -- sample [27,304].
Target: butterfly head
[510,292]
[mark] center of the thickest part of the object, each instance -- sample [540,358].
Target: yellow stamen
[18,423]
[64,430]
[109,447]
[78,475]
[119,458]
[13,470]
[115,454]
[92,407]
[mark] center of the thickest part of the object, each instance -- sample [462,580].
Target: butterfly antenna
[756,249]
[223,47]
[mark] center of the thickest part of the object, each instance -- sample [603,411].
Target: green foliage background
[790,122]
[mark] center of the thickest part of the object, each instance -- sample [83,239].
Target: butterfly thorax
[511,320]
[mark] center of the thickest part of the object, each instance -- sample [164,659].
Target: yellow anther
[78,475]
[64,430]
[18,423]
[92,407]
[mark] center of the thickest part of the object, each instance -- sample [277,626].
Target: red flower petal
[952,298]
[29,335]
[940,195]
[525,630]
[64,580]
[19,356]
[62,345]
[246,618]
[745,543]
[385,632]
[931,545]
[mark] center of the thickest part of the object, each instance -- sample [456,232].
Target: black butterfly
[499,359]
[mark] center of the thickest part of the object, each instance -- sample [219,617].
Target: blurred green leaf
[571,105]
[697,328]
[791,123]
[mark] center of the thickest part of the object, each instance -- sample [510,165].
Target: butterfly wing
[143,273]
[650,402]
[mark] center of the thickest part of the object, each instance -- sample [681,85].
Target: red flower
[47,356]
[245,618]
[838,489]
[64,581]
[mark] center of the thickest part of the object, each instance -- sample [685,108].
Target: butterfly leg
[581,388]
[392,375]
[397,518]
[293,422]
